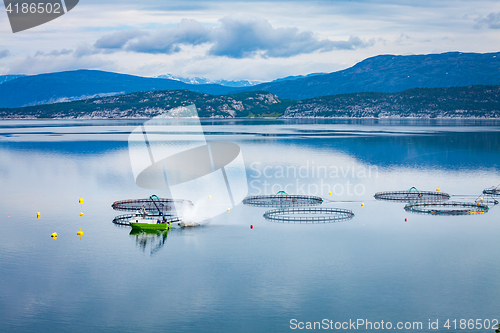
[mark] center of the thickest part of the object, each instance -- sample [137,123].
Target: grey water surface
[227,277]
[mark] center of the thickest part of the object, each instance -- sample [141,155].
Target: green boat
[144,221]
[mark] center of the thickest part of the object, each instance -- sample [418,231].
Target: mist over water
[226,277]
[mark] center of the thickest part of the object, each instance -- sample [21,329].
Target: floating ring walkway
[124,219]
[447,208]
[152,204]
[494,191]
[280,200]
[327,215]
[412,195]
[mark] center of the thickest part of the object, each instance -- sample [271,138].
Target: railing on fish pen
[412,196]
[282,200]
[448,208]
[125,218]
[288,215]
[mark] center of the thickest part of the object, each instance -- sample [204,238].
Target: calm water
[226,277]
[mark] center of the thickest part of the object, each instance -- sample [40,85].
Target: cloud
[239,37]
[83,50]
[4,53]
[119,39]
[59,60]
[165,40]
[36,65]
[491,21]
[53,53]
[236,37]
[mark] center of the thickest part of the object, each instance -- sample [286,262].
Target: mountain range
[202,80]
[391,73]
[5,78]
[383,73]
[83,84]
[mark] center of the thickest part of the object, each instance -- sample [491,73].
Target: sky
[255,40]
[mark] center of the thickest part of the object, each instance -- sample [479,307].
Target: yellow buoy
[330,193]
[81,214]
[80,201]
[54,235]
[438,189]
[79,233]
[228,210]
[362,204]
[38,215]
[210,197]
[481,199]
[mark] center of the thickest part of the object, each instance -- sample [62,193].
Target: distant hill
[5,78]
[391,73]
[81,84]
[297,77]
[152,103]
[455,102]
[202,80]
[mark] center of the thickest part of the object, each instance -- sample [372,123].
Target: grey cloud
[4,53]
[53,53]
[240,38]
[236,37]
[36,65]
[166,40]
[118,39]
[84,49]
[491,21]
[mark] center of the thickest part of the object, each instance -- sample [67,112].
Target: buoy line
[326,215]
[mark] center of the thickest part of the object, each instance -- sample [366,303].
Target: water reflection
[151,240]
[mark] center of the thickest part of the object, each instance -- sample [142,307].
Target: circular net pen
[493,191]
[124,219]
[448,208]
[151,205]
[412,196]
[309,215]
[279,200]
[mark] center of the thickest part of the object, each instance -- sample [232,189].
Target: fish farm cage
[447,208]
[124,219]
[151,205]
[412,195]
[493,191]
[309,215]
[282,200]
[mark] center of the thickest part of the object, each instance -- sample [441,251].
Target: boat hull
[149,226]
